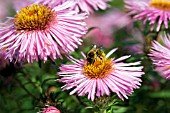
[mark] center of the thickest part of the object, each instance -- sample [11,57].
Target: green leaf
[161,94]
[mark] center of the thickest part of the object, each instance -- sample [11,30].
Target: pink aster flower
[157,12]
[160,55]
[51,109]
[43,30]
[88,5]
[91,5]
[98,75]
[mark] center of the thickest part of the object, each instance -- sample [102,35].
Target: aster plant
[160,56]
[157,12]
[92,81]
[99,75]
[42,30]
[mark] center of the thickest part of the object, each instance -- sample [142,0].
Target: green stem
[148,38]
[102,111]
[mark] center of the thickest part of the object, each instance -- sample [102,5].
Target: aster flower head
[98,75]
[157,12]
[43,30]
[51,109]
[89,5]
[160,55]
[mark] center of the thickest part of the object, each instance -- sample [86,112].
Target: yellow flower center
[167,67]
[99,69]
[160,4]
[33,17]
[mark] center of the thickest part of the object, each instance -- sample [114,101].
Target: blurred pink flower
[18,4]
[103,76]
[160,55]
[43,30]
[4,9]
[51,109]
[134,43]
[157,12]
[105,25]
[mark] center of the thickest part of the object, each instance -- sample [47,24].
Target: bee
[95,53]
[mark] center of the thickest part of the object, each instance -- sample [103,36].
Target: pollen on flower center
[167,67]
[99,69]
[33,17]
[160,4]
